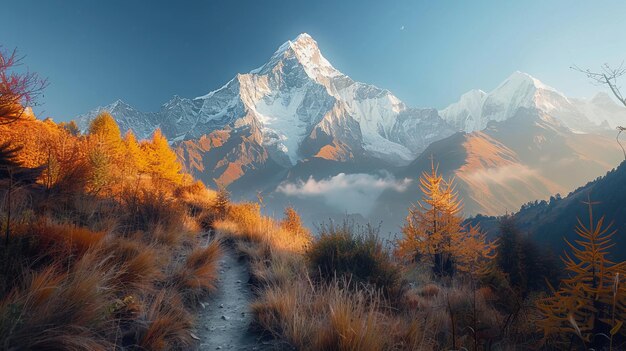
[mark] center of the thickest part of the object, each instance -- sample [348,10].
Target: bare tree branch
[608,76]
[18,91]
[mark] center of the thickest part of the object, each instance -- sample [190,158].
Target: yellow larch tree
[106,135]
[590,304]
[293,223]
[434,232]
[135,158]
[162,162]
[105,153]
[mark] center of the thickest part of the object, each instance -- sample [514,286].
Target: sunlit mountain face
[300,132]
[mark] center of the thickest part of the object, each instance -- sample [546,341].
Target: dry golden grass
[310,314]
[64,239]
[245,222]
[329,317]
[169,324]
[198,274]
[137,266]
[56,309]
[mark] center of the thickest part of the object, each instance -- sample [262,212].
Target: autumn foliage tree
[590,304]
[434,233]
[162,163]
[106,135]
[106,149]
[292,222]
[134,156]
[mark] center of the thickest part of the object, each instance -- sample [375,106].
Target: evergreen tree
[511,256]
[526,265]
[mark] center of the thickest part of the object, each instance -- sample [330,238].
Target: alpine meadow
[198,175]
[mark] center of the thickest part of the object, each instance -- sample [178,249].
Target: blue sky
[427,52]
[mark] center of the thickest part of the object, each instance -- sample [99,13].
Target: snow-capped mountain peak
[474,111]
[297,106]
[306,51]
[522,78]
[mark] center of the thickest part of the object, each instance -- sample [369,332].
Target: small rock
[218,348]
[224,318]
[238,281]
[221,305]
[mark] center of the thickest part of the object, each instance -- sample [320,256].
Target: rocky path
[225,321]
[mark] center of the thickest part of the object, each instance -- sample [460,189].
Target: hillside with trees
[548,222]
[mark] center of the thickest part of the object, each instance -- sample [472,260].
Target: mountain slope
[527,157]
[550,222]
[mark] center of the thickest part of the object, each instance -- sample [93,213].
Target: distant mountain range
[296,121]
[476,108]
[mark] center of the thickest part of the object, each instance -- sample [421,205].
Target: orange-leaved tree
[293,223]
[590,304]
[105,152]
[434,232]
[106,134]
[162,161]
[135,161]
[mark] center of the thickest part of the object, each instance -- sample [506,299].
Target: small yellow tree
[106,134]
[162,162]
[292,222]
[434,232]
[590,303]
[105,153]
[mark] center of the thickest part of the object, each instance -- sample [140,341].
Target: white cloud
[354,193]
[504,174]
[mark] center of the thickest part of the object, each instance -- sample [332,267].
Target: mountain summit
[303,48]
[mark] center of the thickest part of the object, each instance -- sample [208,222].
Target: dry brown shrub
[57,309]
[168,324]
[198,275]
